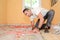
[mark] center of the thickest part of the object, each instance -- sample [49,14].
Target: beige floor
[50,36]
[11,33]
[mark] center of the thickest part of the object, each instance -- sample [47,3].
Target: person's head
[27,12]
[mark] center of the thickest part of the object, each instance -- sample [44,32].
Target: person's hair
[25,9]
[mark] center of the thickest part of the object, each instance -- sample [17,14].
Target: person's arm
[32,23]
[40,16]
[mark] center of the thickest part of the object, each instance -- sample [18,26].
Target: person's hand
[39,27]
[36,30]
[32,25]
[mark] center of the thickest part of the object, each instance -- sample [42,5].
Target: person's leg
[35,29]
[37,23]
[50,16]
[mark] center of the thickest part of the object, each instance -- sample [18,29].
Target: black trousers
[49,17]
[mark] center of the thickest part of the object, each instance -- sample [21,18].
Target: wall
[14,12]
[56,7]
[46,4]
[3,11]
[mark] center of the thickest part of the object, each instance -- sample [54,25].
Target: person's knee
[52,12]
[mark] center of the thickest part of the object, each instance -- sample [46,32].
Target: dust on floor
[18,33]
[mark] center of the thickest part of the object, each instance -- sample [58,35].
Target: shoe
[42,27]
[46,30]
[48,27]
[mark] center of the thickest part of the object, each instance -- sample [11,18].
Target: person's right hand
[32,23]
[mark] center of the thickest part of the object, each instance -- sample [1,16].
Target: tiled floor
[19,33]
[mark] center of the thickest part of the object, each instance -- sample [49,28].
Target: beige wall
[46,4]
[11,12]
[56,7]
[14,12]
[3,12]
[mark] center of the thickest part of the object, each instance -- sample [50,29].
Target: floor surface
[25,33]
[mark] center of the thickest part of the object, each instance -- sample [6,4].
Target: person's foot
[40,28]
[46,30]
[35,30]
[48,27]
